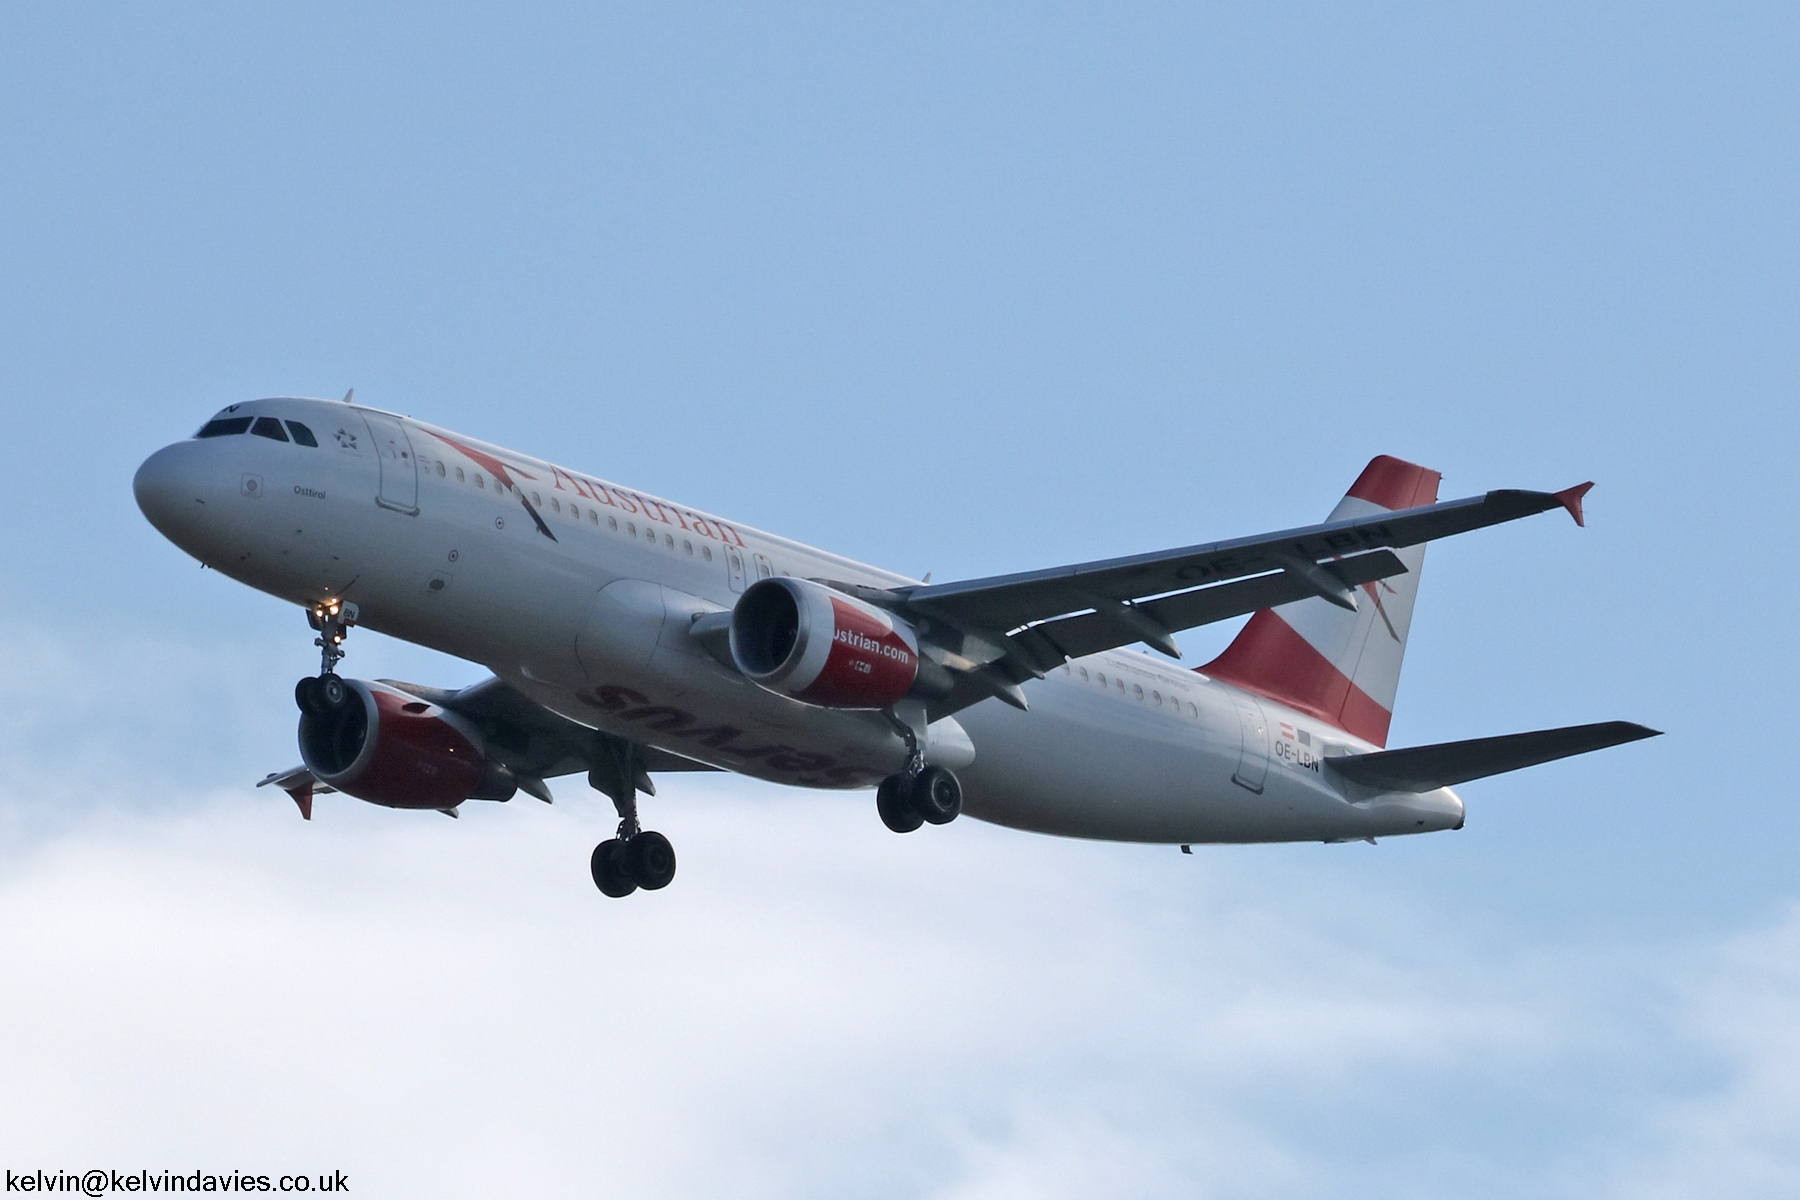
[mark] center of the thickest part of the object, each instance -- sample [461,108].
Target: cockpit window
[224,428]
[302,434]
[270,428]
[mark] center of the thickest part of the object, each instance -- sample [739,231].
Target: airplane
[630,636]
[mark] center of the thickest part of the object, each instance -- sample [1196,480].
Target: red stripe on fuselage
[1271,659]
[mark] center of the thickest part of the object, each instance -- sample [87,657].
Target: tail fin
[1340,666]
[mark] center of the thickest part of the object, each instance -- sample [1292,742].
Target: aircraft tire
[895,805]
[652,860]
[306,696]
[333,692]
[937,796]
[611,866]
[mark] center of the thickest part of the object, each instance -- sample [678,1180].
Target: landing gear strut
[326,692]
[918,794]
[636,858]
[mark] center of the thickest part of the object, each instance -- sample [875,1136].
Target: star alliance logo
[346,439]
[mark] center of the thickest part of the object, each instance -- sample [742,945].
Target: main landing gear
[637,858]
[932,796]
[326,692]
[919,794]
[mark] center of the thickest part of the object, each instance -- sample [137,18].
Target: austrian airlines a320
[628,636]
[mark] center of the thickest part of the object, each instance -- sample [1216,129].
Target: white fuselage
[406,521]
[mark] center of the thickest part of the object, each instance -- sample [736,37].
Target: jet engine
[813,643]
[387,747]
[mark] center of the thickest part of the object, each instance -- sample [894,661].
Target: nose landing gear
[636,858]
[326,692]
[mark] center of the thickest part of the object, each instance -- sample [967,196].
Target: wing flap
[1427,768]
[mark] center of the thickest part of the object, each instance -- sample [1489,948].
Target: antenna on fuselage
[349,394]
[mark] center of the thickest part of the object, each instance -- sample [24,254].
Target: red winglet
[303,797]
[1571,500]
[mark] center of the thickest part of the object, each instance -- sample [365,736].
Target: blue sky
[947,288]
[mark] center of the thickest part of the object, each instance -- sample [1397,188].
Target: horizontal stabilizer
[1426,768]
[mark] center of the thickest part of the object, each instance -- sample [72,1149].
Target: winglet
[303,797]
[1570,498]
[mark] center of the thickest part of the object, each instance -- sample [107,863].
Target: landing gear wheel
[306,696]
[332,691]
[652,860]
[937,795]
[894,803]
[611,866]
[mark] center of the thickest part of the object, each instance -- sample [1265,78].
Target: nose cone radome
[169,491]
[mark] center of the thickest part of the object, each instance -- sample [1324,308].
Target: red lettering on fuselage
[557,475]
[613,497]
[809,767]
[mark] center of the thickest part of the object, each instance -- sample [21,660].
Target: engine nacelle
[394,749]
[807,641]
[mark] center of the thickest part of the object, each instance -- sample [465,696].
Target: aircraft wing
[1014,627]
[532,742]
[1004,602]
[527,737]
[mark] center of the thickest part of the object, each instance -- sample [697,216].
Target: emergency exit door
[1253,746]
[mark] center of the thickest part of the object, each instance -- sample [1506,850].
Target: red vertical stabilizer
[1342,667]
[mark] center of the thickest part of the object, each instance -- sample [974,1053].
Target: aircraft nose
[167,488]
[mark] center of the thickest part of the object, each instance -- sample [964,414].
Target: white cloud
[1735,1132]
[815,1007]
[193,977]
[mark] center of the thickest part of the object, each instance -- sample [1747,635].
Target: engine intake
[807,641]
[394,749]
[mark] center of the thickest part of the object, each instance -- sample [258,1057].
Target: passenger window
[612,523]
[1084,673]
[1102,678]
[649,534]
[1156,698]
[440,469]
[593,517]
[304,436]
[1137,690]
[270,428]
[669,540]
[1192,711]
[555,504]
[225,428]
[688,546]
[459,475]
[539,501]
[706,553]
[478,482]
[1121,684]
[631,528]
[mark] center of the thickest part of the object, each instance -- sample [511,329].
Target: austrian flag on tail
[1340,666]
